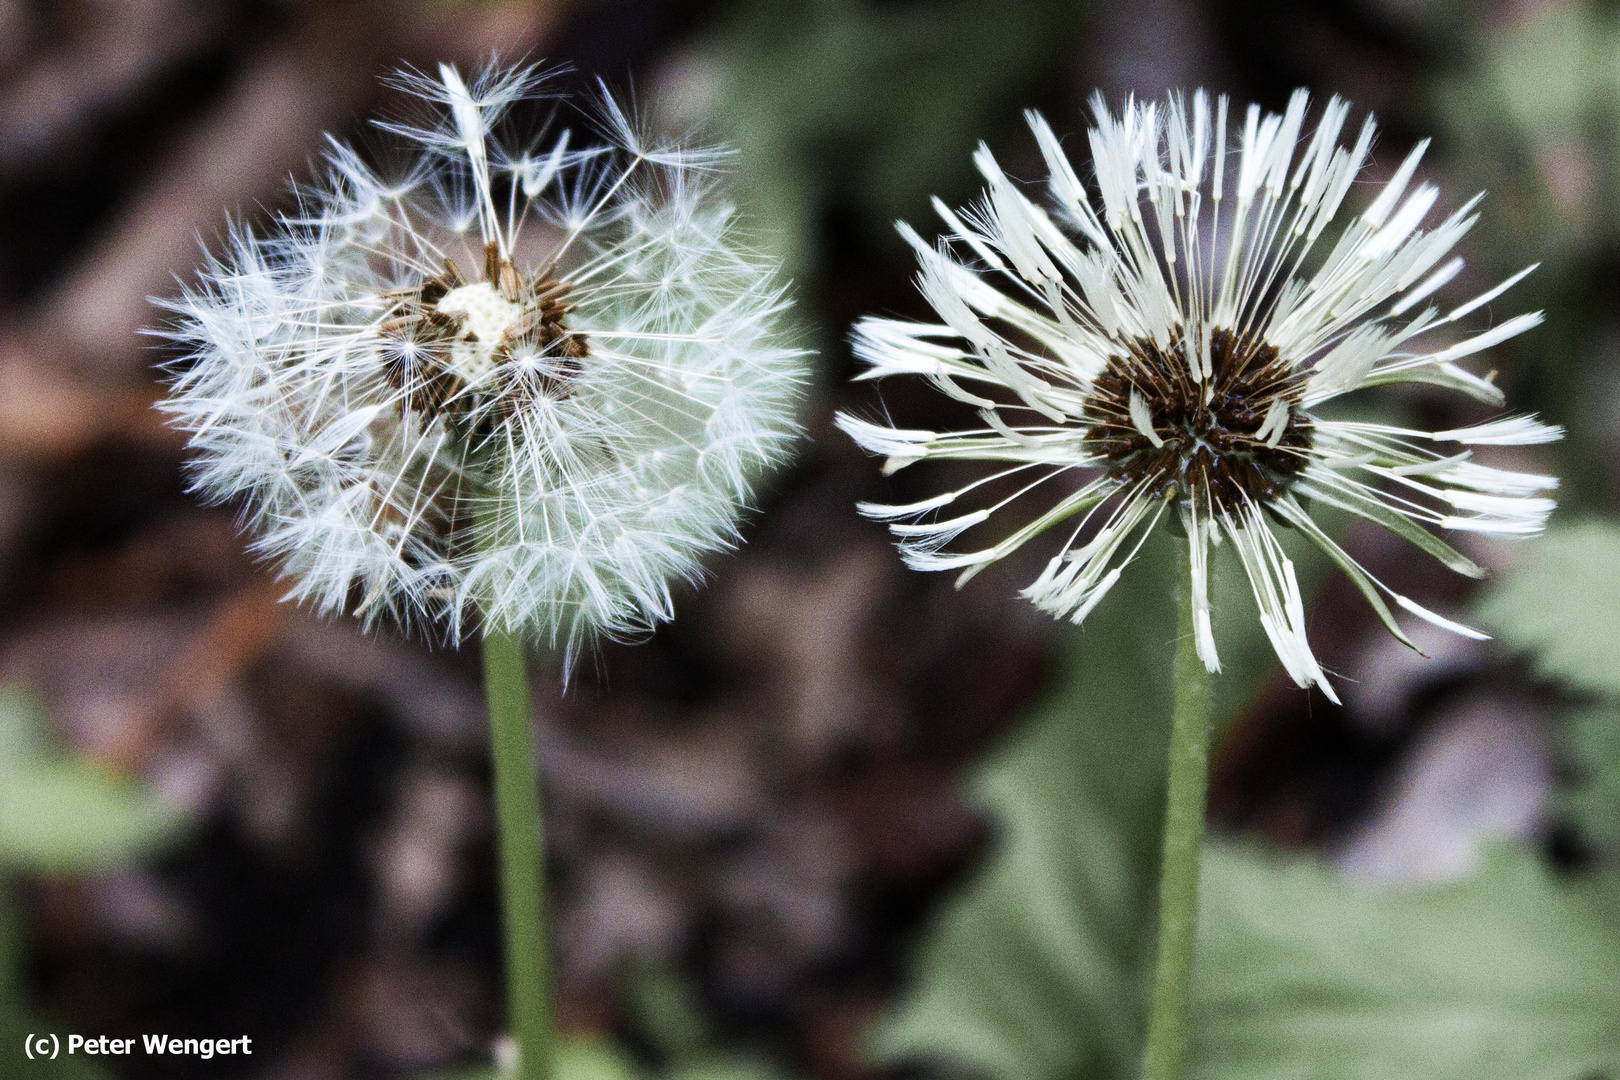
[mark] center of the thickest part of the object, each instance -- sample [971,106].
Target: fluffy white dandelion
[520,385]
[1164,352]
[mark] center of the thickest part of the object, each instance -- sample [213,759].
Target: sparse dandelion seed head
[518,387]
[1158,343]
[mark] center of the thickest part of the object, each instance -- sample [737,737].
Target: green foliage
[1039,970]
[726,1068]
[17,1023]
[599,1059]
[666,1013]
[663,1011]
[1561,606]
[869,104]
[574,1059]
[1549,72]
[1592,741]
[57,815]
[1528,110]
[591,1059]
[62,815]
[1507,975]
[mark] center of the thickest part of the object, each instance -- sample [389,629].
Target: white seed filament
[1143,420]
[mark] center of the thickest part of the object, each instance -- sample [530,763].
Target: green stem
[1183,838]
[521,848]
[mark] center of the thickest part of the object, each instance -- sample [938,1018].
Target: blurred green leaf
[1552,69]
[62,815]
[1591,798]
[1527,107]
[1038,970]
[24,736]
[1507,975]
[592,1059]
[575,1059]
[1562,606]
[599,1059]
[665,1011]
[10,955]
[727,1068]
[17,1022]
[56,814]
[869,105]
[69,817]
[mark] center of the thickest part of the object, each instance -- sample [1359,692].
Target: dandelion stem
[1183,839]
[519,839]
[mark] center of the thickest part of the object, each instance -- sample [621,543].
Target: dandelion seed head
[521,388]
[1159,342]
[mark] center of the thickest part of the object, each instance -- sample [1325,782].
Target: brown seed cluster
[418,341]
[1211,451]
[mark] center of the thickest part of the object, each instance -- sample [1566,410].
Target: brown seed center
[1222,441]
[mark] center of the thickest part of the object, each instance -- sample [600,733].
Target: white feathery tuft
[523,390]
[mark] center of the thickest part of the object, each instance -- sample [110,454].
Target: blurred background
[838,820]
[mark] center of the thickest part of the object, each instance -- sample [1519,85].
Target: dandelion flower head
[523,386]
[1162,350]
